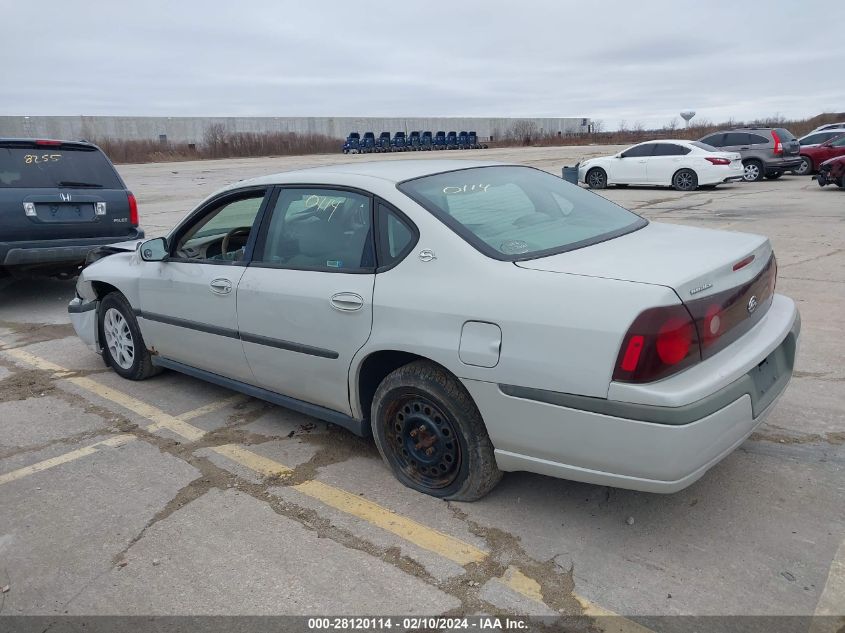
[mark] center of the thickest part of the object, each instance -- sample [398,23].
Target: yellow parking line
[212,407]
[421,535]
[159,419]
[117,440]
[408,529]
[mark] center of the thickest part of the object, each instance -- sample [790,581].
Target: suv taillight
[778,146]
[133,209]
[660,342]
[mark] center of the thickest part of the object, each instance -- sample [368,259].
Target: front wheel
[805,168]
[431,435]
[596,178]
[123,346]
[685,180]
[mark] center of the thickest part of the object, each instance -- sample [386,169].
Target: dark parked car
[58,201]
[812,157]
[832,171]
[765,151]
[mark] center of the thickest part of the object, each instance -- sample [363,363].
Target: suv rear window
[517,213]
[784,134]
[51,166]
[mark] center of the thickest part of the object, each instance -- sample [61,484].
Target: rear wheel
[431,435]
[596,178]
[685,180]
[753,171]
[123,346]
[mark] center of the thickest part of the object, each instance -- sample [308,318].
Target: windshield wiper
[74,183]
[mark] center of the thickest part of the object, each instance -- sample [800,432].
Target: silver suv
[765,151]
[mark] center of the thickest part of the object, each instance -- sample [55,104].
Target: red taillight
[51,143]
[778,146]
[133,209]
[718,161]
[660,342]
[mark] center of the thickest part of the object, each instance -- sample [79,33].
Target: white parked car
[474,317]
[683,165]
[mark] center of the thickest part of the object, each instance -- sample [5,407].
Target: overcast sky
[607,59]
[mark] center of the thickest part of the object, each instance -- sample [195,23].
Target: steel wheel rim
[119,340]
[596,179]
[683,181]
[752,172]
[424,442]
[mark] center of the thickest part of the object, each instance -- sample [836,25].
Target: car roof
[7,139]
[393,171]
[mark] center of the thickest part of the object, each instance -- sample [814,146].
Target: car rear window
[784,134]
[46,166]
[516,213]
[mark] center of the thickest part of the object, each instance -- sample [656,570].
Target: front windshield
[515,213]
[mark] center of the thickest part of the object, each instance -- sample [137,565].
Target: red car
[812,157]
[832,171]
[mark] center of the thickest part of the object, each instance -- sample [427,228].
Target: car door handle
[220,286]
[347,301]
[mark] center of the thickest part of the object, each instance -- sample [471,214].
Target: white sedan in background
[682,165]
[472,317]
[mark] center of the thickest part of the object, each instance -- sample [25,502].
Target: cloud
[617,60]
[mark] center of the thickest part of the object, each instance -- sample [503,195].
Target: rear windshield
[49,167]
[784,134]
[704,146]
[516,213]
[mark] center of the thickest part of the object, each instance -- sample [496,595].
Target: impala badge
[752,304]
[701,288]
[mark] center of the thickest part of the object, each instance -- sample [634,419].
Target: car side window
[396,237]
[639,151]
[840,142]
[714,140]
[670,149]
[756,139]
[734,139]
[222,233]
[316,228]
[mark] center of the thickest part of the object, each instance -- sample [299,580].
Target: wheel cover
[119,340]
[595,179]
[684,180]
[752,171]
[804,167]
[423,441]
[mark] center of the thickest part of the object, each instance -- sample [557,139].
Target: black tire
[841,182]
[596,178]
[774,175]
[685,180]
[805,168]
[753,171]
[141,366]
[417,410]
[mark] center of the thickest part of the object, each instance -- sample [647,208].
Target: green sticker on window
[334,263]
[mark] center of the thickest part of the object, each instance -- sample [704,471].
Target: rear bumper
[69,251]
[634,445]
[780,164]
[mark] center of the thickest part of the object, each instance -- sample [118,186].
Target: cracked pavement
[149,521]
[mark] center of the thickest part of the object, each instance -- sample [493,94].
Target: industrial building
[193,129]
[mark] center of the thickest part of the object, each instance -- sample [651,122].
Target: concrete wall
[192,129]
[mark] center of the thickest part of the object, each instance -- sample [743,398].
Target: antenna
[686,115]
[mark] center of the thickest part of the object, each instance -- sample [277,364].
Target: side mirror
[154,250]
